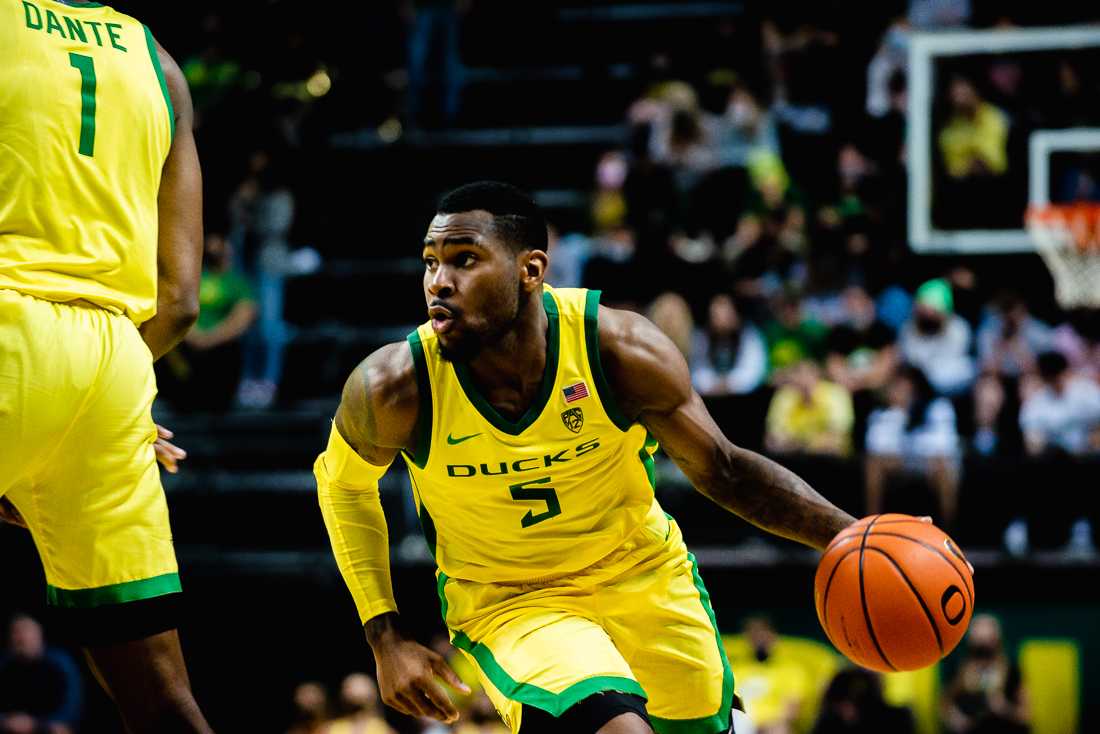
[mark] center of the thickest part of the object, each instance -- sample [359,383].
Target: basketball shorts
[77,461]
[639,622]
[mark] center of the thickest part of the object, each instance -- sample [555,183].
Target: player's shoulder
[386,376]
[380,399]
[627,335]
[643,365]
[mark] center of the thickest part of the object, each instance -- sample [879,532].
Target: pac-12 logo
[573,419]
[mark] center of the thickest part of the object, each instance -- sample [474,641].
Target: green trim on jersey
[719,721]
[441,584]
[647,459]
[549,376]
[422,434]
[427,524]
[554,704]
[155,57]
[168,583]
[592,346]
[80,5]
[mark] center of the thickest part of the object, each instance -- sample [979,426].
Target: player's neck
[519,358]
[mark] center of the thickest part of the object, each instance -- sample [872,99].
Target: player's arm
[179,215]
[377,419]
[652,384]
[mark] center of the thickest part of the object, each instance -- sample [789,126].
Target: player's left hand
[168,453]
[9,514]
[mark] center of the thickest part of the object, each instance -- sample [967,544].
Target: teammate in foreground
[528,417]
[100,252]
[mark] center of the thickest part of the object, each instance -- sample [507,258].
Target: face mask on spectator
[929,325]
[983,652]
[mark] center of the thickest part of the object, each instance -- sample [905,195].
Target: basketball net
[1067,236]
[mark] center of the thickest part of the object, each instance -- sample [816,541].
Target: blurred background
[821,203]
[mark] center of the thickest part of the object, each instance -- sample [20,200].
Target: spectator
[915,435]
[937,340]
[891,58]
[1060,420]
[1079,341]
[360,708]
[205,370]
[974,141]
[861,353]
[791,337]
[987,695]
[729,357]
[40,687]
[1010,338]
[772,689]
[683,136]
[1008,341]
[263,210]
[853,704]
[771,232]
[1063,414]
[973,146]
[809,415]
[311,709]
[608,200]
[749,129]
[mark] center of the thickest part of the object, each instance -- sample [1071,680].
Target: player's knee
[610,712]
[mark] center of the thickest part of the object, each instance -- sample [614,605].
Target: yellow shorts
[76,451]
[638,622]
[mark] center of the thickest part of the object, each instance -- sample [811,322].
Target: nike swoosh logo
[455,441]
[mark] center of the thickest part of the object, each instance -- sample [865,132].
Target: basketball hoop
[1067,236]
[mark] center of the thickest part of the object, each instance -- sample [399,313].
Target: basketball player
[528,417]
[100,252]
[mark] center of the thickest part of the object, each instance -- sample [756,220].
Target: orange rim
[1080,219]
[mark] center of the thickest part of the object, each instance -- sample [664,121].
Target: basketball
[893,593]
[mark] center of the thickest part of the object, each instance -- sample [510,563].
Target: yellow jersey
[539,497]
[86,122]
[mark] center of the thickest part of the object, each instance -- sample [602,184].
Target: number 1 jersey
[85,127]
[543,496]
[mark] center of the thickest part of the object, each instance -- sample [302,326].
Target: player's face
[472,283]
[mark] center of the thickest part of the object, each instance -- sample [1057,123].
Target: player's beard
[473,343]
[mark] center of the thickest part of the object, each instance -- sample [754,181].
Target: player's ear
[534,264]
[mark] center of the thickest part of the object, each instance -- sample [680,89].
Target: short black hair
[517,219]
[1051,365]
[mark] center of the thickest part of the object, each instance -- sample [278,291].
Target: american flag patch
[576,391]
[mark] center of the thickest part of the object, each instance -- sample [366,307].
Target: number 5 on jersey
[523,492]
[86,66]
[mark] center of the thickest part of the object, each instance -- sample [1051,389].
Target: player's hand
[168,453]
[407,679]
[928,519]
[10,515]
